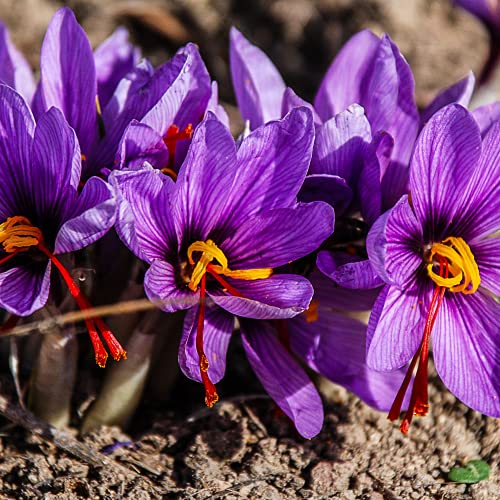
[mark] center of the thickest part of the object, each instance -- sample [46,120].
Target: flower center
[457,272]
[464,273]
[211,252]
[17,234]
[173,135]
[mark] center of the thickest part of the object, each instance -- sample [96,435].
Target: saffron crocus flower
[368,72]
[73,78]
[99,102]
[169,102]
[223,228]
[161,138]
[437,252]
[42,214]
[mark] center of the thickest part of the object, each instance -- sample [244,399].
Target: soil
[244,447]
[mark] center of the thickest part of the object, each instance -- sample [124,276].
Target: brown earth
[244,448]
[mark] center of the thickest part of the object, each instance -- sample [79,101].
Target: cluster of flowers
[354,202]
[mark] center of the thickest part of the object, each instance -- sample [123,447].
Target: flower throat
[457,272]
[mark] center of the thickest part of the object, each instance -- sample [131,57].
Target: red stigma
[94,324]
[419,400]
[211,396]
[9,256]
[173,135]
[226,286]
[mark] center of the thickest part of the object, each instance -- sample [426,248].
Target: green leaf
[473,472]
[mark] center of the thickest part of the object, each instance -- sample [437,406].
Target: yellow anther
[245,274]
[209,252]
[462,267]
[17,233]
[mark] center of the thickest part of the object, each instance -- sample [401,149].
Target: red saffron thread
[419,401]
[8,257]
[211,396]
[223,282]
[101,356]
[173,135]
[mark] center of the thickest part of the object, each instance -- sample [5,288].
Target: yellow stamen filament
[18,234]
[98,106]
[463,271]
[209,252]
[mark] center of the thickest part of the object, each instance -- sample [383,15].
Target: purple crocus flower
[369,71]
[169,102]
[161,138]
[42,213]
[73,77]
[221,230]
[101,93]
[437,251]
[365,116]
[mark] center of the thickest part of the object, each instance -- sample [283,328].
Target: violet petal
[282,377]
